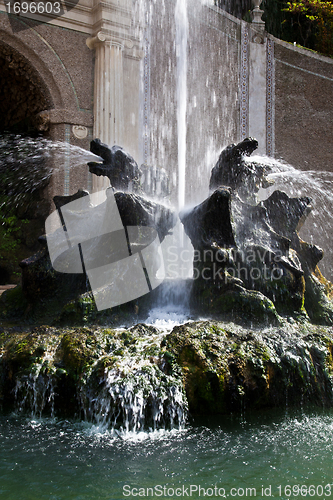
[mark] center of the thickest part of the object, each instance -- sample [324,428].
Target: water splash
[35,392]
[315,184]
[134,400]
[166,319]
[35,389]
[132,388]
[171,306]
[27,164]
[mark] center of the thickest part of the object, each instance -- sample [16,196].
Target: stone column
[108,89]
[111,28]
[108,92]
[257,90]
[254,46]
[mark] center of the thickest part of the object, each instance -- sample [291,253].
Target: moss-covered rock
[77,351]
[318,302]
[13,304]
[116,377]
[60,309]
[228,368]
[142,377]
[237,305]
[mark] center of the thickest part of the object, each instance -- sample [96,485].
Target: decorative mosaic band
[67,159]
[89,174]
[270,97]
[244,83]
[146,92]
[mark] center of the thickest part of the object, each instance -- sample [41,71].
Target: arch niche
[24,96]
[27,95]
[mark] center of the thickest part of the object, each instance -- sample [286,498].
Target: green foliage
[307,22]
[24,174]
[10,227]
[314,17]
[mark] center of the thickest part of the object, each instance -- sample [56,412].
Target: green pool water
[258,456]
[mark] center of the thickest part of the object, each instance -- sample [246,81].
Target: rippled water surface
[54,459]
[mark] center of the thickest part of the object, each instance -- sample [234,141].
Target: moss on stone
[317,303]
[246,305]
[13,304]
[75,353]
[23,350]
[224,367]
[232,369]
[328,286]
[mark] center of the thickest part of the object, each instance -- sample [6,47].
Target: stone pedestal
[256,15]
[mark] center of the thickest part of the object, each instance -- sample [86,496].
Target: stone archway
[24,99]
[42,89]
[23,94]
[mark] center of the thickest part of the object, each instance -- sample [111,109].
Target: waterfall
[181,23]
[181,46]
[134,398]
[118,379]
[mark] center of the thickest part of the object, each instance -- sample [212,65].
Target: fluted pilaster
[108,89]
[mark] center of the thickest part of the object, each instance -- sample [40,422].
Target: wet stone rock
[115,378]
[62,295]
[242,246]
[232,170]
[228,368]
[141,377]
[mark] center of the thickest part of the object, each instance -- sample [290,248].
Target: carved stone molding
[102,37]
